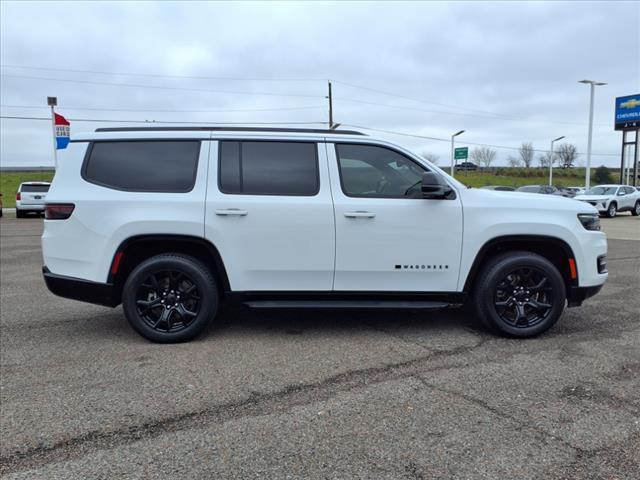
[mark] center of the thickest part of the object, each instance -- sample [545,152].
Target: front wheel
[170,298]
[636,209]
[519,294]
[612,210]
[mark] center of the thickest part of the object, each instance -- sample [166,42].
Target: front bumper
[79,289]
[577,295]
[600,205]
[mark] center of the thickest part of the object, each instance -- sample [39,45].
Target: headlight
[590,221]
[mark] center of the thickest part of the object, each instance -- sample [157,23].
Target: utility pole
[330,97]
[52,102]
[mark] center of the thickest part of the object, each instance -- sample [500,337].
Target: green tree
[602,175]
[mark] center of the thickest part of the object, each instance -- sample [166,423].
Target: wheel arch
[554,249]
[138,248]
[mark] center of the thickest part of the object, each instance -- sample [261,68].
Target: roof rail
[229,129]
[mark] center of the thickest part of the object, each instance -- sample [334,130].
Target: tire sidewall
[498,271]
[636,209]
[196,272]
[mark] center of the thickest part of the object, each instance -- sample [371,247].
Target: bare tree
[567,155]
[526,154]
[543,159]
[513,161]
[483,156]
[431,157]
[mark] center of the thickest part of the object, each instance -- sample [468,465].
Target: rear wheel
[636,209]
[519,294]
[612,210]
[170,298]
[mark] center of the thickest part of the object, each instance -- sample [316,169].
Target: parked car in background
[501,188]
[611,199]
[468,166]
[0,204]
[544,189]
[30,198]
[576,190]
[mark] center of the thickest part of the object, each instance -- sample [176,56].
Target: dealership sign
[627,112]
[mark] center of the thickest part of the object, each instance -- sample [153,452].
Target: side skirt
[346,300]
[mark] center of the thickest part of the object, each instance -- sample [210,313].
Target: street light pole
[453,149]
[593,84]
[551,160]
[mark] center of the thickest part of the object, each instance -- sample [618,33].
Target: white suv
[611,199]
[171,222]
[30,198]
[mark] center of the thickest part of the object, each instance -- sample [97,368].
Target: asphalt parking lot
[317,395]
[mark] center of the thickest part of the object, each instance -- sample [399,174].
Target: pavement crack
[256,404]
[541,432]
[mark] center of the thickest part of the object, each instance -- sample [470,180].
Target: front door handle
[359,214]
[231,212]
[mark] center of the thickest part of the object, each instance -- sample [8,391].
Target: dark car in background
[501,188]
[466,166]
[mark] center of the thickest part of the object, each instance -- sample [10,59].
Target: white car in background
[611,199]
[30,198]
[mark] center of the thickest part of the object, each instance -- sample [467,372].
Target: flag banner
[63,131]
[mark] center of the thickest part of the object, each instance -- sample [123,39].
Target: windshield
[602,191]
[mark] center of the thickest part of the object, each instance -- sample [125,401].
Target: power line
[168,111]
[149,122]
[159,87]
[159,75]
[502,147]
[440,112]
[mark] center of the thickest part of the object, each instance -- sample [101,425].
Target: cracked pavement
[301,394]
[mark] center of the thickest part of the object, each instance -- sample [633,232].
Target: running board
[355,304]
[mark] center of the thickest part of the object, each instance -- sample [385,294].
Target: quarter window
[268,168]
[143,166]
[378,172]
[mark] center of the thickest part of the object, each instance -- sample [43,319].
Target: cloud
[520,61]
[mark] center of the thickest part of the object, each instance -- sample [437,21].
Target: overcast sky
[504,71]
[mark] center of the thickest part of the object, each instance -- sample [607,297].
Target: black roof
[229,129]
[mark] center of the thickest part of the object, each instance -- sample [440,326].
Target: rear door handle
[225,212]
[359,214]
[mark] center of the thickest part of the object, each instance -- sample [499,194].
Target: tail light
[58,211]
[18,196]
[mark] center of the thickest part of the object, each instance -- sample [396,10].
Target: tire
[20,213]
[181,301]
[635,211]
[519,294]
[612,210]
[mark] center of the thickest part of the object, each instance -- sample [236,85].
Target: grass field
[9,182]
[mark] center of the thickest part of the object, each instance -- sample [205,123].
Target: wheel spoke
[146,305]
[538,287]
[184,312]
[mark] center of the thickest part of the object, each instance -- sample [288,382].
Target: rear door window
[143,166]
[268,168]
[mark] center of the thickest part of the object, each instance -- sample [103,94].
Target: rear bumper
[577,295]
[79,289]
[36,207]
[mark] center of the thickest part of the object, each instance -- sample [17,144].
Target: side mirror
[433,187]
[621,193]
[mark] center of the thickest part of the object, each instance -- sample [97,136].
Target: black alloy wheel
[168,301]
[524,297]
[519,293]
[170,298]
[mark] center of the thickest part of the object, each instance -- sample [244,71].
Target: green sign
[461,153]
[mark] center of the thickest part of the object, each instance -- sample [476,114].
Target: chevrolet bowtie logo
[631,103]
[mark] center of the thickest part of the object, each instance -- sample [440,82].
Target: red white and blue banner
[63,131]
